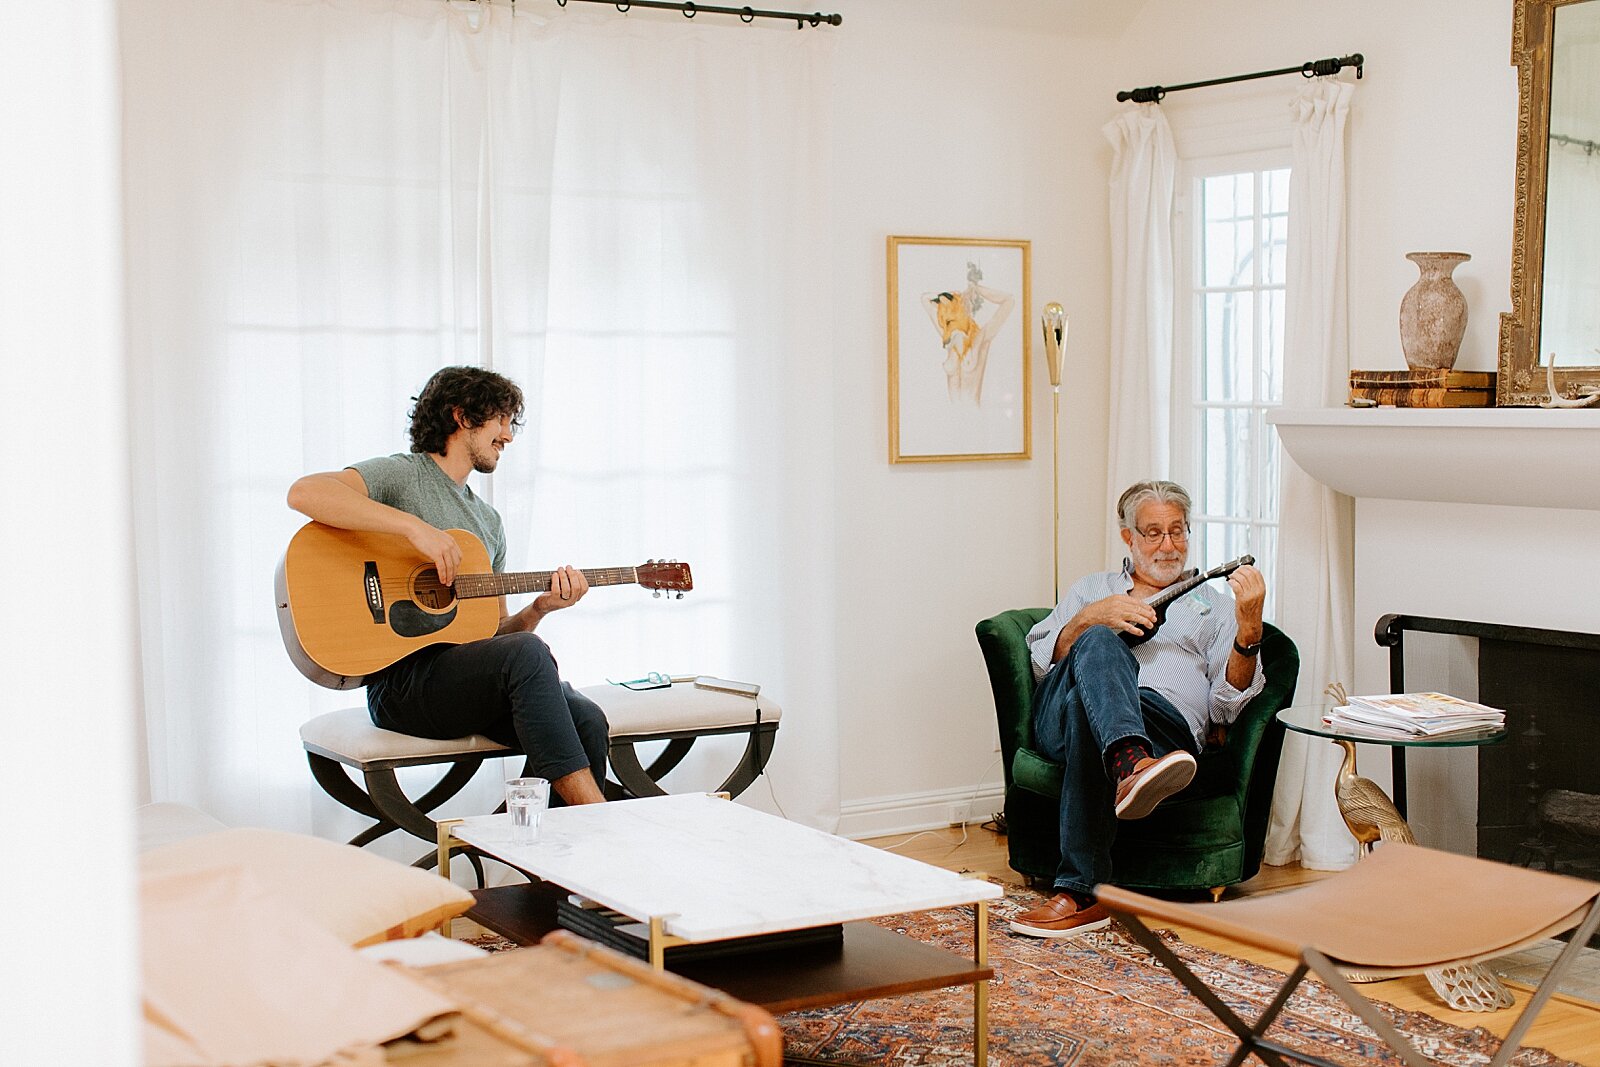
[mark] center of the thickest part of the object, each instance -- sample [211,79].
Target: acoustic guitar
[1162,600]
[352,603]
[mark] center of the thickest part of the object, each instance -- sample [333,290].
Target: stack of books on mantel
[1413,716]
[1422,388]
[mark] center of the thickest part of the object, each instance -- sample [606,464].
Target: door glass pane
[1225,479]
[1229,331]
[1229,236]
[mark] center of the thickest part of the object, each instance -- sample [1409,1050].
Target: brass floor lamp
[1054,321]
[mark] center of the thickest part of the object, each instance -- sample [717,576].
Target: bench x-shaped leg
[387,805]
[636,780]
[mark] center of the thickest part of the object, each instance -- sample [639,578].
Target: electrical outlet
[957,815]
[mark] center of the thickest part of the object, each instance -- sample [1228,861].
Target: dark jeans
[1088,702]
[506,688]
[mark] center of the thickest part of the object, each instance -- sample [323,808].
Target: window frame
[1188,349]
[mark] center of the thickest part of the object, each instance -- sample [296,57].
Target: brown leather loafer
[1152,781]
[1060,916]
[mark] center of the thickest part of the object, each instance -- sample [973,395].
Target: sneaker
[1152,781]
[1060,916]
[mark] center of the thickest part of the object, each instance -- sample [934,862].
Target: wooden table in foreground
[699,869]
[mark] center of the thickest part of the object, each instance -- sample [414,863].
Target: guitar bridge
[374,592]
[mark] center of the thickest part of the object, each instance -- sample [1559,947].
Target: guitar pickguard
[408,620]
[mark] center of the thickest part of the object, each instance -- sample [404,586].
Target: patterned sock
[1124,755]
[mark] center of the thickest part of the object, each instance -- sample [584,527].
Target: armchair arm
[1003,640]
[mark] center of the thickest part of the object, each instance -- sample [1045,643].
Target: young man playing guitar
[1130,691]
[506,687]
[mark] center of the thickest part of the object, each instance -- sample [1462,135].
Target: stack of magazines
[1413,716]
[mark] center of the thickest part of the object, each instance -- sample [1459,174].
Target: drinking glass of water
[526,800]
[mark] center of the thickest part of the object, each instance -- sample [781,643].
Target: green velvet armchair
[1206,837]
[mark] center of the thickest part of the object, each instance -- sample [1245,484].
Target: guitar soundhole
[428,591]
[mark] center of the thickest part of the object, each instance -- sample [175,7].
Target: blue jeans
[507,688]
[1088,702]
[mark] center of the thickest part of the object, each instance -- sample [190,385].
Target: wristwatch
[1246,650]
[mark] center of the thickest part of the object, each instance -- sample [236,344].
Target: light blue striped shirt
[1187,659]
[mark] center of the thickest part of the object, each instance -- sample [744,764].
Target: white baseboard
[911,812]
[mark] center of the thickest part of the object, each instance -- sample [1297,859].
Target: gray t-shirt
[414,482]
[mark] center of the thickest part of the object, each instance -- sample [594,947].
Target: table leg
[980,992]
[446,841]
[1397,761]
[660,941]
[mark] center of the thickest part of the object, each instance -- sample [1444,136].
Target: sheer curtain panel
[1316,564]
[329,200]
[1143,172]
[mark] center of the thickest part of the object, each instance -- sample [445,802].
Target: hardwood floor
[1568,1027]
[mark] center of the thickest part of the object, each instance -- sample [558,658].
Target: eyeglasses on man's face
[1155,535]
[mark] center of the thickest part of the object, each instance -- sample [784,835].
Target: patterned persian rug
[1102,1001]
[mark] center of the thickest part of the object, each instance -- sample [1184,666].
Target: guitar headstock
[659,574]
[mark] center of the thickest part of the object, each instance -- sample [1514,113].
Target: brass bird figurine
[1372,817]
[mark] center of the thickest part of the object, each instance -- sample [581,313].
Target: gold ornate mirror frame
[1522,379]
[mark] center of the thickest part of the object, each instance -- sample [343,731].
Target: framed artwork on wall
[960,384]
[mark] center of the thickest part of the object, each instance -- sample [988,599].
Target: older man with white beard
[1127,722]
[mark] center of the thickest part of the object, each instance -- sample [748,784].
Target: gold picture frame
[1525,377]
[960,361]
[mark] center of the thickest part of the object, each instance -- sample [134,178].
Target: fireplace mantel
[1528,457]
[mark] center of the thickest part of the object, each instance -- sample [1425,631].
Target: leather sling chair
[1402,910]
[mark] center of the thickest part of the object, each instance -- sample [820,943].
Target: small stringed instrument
[1163,599]
[351,603]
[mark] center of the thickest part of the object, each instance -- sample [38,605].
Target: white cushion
[161,824]
[680,707]
[348,735]
[358,896]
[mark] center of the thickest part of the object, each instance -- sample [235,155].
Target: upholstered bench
[679,715]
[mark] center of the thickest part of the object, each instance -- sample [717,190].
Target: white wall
[944,126]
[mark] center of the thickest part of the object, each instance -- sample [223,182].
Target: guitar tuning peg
[656,594]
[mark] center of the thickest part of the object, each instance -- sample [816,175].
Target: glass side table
[1307,719]
[1373,817]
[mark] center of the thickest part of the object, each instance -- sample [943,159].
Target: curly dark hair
[480,395]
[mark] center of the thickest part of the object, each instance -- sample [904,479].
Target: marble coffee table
[696,868]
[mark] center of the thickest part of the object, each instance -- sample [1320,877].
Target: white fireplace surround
[1488,514]
[1528,457]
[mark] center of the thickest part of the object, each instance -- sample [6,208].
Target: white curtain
[330,200]
[1143,173]
[1316,569]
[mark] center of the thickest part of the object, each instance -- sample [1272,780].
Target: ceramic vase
[1433,313]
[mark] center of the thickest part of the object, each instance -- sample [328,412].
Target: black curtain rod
[1588,147]
[690,9]
[1152,94]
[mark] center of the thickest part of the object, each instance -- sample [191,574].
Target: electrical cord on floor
[974,796]
[907,841]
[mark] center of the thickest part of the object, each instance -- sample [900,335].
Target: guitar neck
[511,583]
[1173,592]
